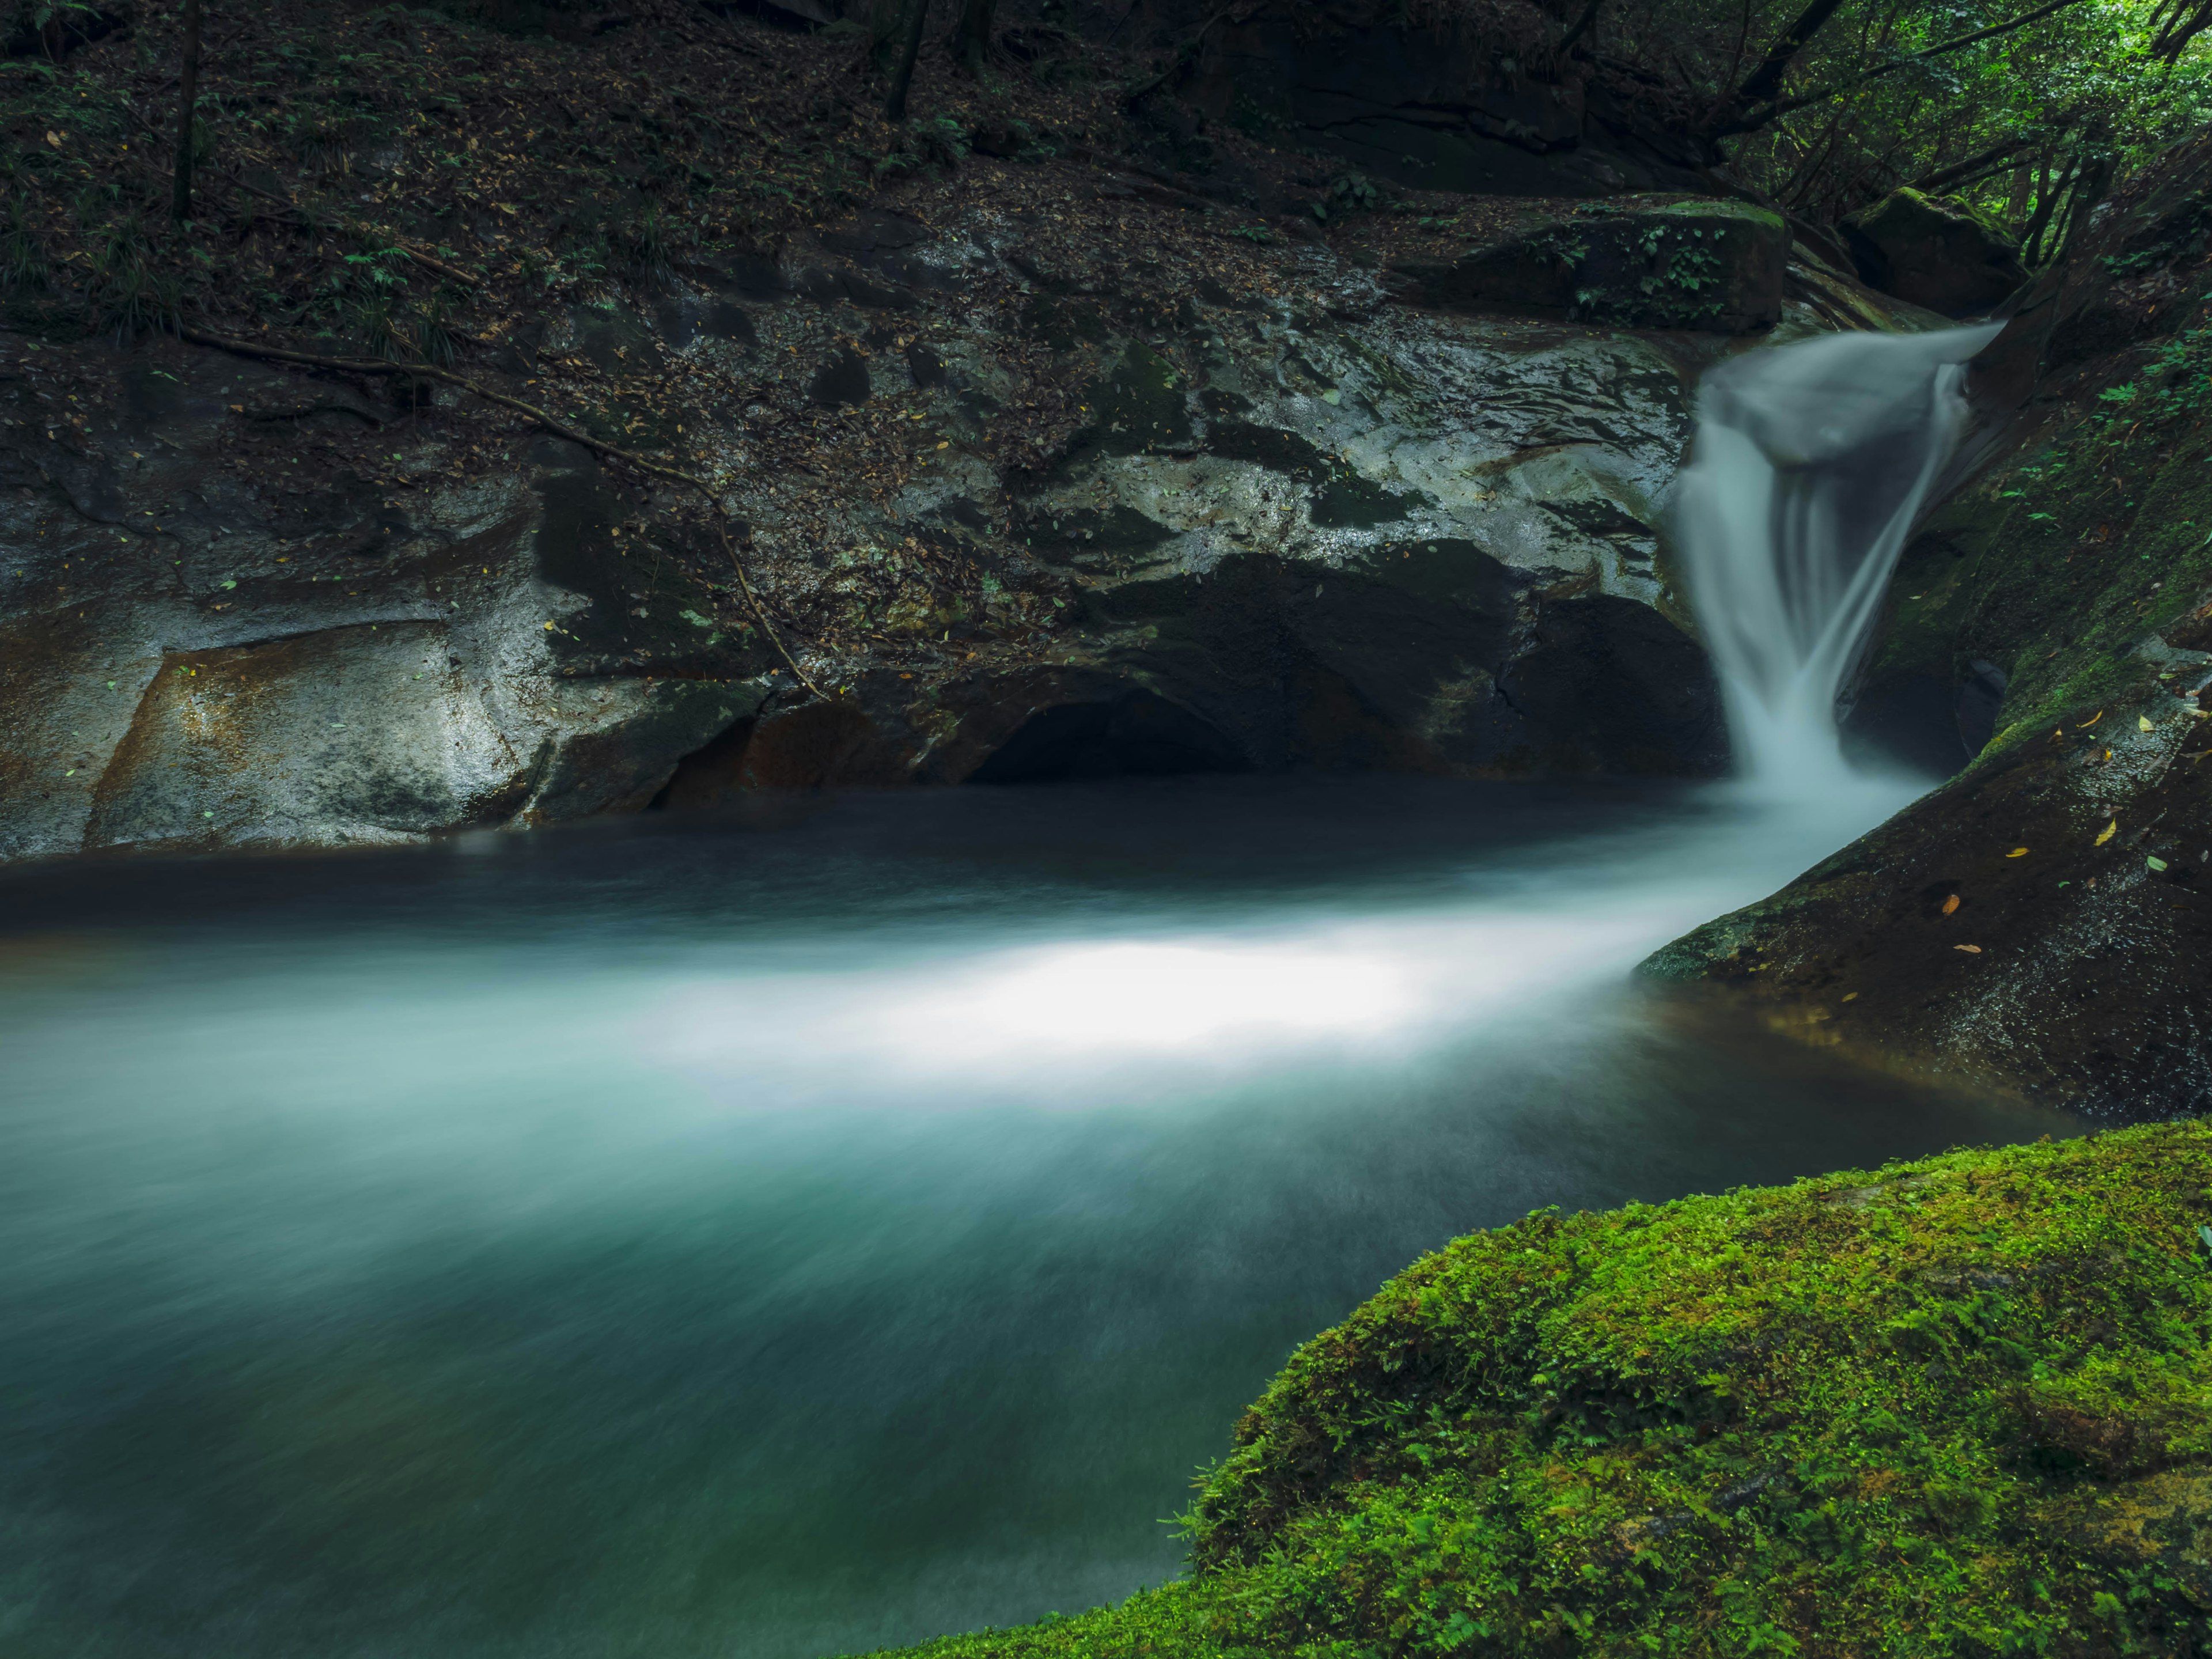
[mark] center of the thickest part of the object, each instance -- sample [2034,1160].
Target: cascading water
[1811,463]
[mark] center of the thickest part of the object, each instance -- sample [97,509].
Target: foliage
[2035,104]
[1957,1407]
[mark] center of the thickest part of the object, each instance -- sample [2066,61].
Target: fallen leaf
[2017,853]
[2143,723]
[1971,950]
[1950,904]
[2155,864]
[54,138]
[1851,996]
[2091,721]
[2111,829]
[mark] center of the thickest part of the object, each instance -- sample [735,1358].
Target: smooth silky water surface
[786,1237]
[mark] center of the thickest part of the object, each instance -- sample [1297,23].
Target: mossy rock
[1934,251]
[1957,1407]
[1708,264]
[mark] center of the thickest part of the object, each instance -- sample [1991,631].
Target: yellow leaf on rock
[2143,723]
[1971,950]
[2017,853]
[1950,904]
[2091,721]
[2111,829]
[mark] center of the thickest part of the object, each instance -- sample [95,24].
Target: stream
[837,1225]
[791,1237]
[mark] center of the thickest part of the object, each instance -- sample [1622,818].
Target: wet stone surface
[1027,506]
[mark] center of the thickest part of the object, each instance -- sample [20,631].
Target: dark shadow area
[1138,735]
[1925,722]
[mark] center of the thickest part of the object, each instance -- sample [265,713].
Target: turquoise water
[792,1235]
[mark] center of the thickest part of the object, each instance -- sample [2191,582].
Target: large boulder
[1934,251]
[1704,264]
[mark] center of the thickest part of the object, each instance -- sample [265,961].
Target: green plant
[643,244]
[944,140]
[22,260]
[1952,1407]
[130,292]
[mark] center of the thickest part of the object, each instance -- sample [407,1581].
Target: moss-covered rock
[1957,1407]
[1934,251]
[1713,264]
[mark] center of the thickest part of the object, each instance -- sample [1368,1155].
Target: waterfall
[1810,465]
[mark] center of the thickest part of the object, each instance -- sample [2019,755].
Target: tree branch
[1958,171]
[1584,24]
[1754,119]
[1767,80]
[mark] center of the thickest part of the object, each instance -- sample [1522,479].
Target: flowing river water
[811,1232]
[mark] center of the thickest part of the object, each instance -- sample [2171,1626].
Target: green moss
[1959,1406]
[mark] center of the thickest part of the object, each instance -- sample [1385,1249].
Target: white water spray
[1812,462]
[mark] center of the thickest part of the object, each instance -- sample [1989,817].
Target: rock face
[1035,492]
[2039,923]
[1935,251]
[191,657]
[1704,264]
[1439,102]
[1349,534]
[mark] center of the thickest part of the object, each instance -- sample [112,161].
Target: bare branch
[1986,160]
[1584,24]
[1767,80]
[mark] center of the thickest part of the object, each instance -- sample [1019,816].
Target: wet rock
[1707,265]
[617,340]
[1137,733]
[1607,685]
[1273,527]
[1439,103]
[189,658]
[923,364]
[1934,251]
[1142,403]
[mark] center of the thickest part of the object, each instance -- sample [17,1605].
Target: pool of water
[792,1235]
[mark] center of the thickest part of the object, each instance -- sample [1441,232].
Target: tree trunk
[188,97]
[972,43]
[895,105]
